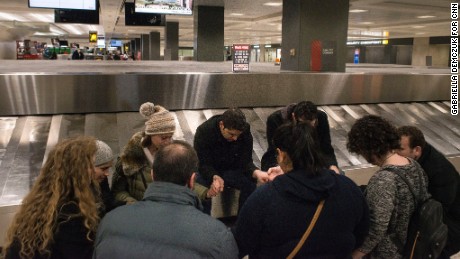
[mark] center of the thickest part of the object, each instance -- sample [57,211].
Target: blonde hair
[65,178]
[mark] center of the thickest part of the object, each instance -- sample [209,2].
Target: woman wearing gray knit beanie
[132,170]
[102,167]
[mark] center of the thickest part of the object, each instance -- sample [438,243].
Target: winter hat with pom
[159,120]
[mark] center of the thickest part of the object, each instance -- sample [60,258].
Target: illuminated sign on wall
[367,42]
[93,36]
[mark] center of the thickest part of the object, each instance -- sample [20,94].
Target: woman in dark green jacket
[132,170]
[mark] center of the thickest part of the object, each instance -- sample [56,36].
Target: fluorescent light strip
[274,4]
[358,11]
[72,29]
[42,18]
[58,31]
[11,17]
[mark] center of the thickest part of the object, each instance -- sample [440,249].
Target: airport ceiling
[246,21]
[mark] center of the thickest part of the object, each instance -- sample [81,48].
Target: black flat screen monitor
[180,7]
[76,16]
[133,18]
[60,4]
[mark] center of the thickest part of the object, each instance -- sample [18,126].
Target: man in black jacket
[443,179]
[303,111]
[224,146]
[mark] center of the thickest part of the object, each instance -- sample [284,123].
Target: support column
[208,33]
[154,45]
[138,48]
[420,52]
[145,46]
[314,35]
[132,48]
[171,41]
[262,52]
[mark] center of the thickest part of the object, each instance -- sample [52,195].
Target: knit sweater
[391,205]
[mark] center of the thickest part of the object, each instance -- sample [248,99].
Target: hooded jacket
[276,215]
[163,225]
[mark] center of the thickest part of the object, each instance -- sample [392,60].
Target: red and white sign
[241,54]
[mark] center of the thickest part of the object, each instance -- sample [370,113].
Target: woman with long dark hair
[277,214]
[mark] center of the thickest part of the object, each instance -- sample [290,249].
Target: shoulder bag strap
[308,231]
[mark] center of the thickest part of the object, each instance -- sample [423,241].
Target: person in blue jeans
[224,146]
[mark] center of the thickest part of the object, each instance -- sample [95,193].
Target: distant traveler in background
[132,170]
[59,216]
[303,111]
[77,54]
[276,215]
[116,56]
[443,181]
[224,146]
[391,203]
[53,55]
[168,222]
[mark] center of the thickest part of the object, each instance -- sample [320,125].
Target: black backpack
[427,234]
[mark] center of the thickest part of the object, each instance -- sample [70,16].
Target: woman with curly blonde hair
[59,216]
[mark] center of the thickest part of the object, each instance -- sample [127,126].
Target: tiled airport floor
[25,140]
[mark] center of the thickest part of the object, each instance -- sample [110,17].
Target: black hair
[372,136]
[306,110]
[300,142]
[175,163]
[414,134]
[234,119]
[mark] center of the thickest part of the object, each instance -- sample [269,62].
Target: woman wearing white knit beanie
[132,170]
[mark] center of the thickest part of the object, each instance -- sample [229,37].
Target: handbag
[308,231]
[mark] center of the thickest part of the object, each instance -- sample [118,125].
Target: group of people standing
[298,204]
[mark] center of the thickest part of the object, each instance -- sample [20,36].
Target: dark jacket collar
[426,153]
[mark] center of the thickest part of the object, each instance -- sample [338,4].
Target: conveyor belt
[25,140]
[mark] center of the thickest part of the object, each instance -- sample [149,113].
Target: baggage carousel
[26,140]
